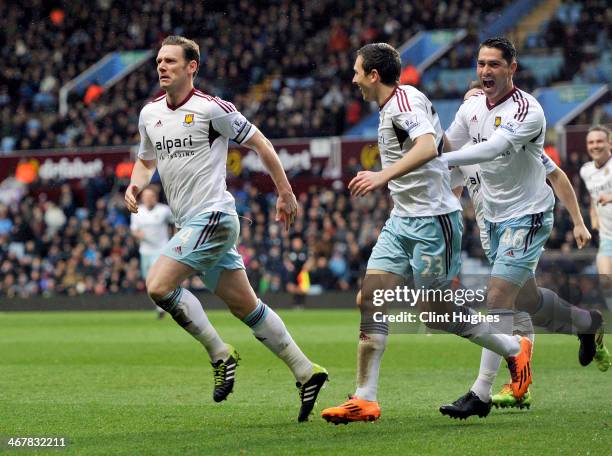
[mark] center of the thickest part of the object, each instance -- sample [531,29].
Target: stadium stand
[257,57]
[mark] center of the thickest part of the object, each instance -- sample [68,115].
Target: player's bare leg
[363,406]
[549,310]
[602,358]
[604,269]
[236,291]
[500,302]
[163,286]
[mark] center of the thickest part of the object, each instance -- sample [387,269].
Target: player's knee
[156,288]
[239,309]
[528,302]
[366,298]
[499,299]
[358,299]
[241,300]
[376,292]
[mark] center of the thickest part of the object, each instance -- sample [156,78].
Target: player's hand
[365,182]
[130,198]
[604,199]
[286,208]
[582,235]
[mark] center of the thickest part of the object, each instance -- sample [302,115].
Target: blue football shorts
[517,244]
[605,247]
[428,248]
[207,243]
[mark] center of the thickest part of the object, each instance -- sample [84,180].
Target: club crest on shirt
[188,122]
[497,121]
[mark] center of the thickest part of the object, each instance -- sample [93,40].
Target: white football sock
[482,333]
[523,325]
[187,311]
[270,330]
[369,356]
[489,360]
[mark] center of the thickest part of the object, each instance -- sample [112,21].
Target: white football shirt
[405,116]
[154,224]
[514,183]
[599,180]
[190,143]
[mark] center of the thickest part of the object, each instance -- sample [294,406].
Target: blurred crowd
[582,31]
[79,241]
[286,64]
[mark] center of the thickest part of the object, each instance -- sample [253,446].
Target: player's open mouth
[488,83]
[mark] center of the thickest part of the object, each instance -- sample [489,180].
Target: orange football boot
[520,368]
[354,409]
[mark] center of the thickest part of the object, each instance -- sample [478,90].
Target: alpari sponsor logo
[478,139]
[474,182]
[166,146]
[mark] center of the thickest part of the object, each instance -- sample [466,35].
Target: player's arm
[457,181]
[604,198]
[141,176]
[144,168]
[135,228]
[417,125]
[478,153]
[565,192]
[458,133]
[511,135]
[593,214]
[137,233]
[286,205]
[423,150]
[236,127]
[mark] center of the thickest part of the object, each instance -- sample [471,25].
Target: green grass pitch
[123,383]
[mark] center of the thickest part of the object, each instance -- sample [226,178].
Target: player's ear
[513,66]
[374,76]
[194,66]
